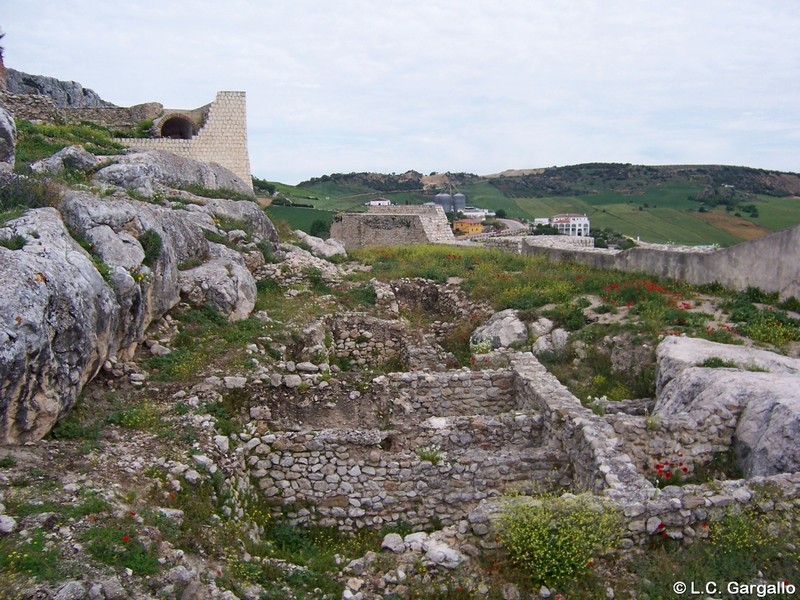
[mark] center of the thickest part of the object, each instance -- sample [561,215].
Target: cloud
[444,85]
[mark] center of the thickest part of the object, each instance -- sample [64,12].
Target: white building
[379,202]
[568,224]
[471,212]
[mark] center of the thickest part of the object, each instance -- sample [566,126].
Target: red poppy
[126,539]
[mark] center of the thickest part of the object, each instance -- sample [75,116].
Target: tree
[320,229]
[500,213]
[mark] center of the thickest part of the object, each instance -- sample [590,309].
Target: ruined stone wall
[31,107]
[451,393]
[651,440]
[367,341]
[222,139]
[38,107]
[355,483]
[771,263]
[356,478]
[392,226]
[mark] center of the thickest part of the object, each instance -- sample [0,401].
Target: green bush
[27,192]
[15,242]
[553,540]
[151,244]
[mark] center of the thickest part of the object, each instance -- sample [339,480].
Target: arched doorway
[177,128]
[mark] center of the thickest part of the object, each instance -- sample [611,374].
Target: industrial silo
[445,201]
[459,202]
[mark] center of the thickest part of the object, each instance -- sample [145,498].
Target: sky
[441,85]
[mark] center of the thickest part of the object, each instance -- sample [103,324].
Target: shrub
[15,242]
[554,540]
[28,192]
[151,244]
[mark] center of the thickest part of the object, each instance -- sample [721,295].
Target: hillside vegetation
[682,204]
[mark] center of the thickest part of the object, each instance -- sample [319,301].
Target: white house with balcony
[571,224]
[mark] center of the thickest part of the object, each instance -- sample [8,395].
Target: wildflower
[126,539]
[133,513]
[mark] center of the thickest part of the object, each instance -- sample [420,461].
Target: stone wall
[392,225]
[770,263]
[367,341]
[222,138]
[651,440]
[469,420]
[221,134]
[33,107]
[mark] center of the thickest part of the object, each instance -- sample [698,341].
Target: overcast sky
[440,85]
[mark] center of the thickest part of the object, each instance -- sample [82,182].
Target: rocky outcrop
[319,247]
[501,331]
[70,158]
[63,93]
[223,282]
[66,311]
[754,392]
[141,171]
[8,137]
[57,325]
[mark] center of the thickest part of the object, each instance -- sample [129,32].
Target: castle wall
[222,139]
[771,263]
[392,226]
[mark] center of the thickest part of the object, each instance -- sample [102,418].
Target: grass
[741,547]
[32,558]
[36,141]
[300,218]
[15,242]
[205,336]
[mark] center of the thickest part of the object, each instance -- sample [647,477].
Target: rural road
[512,224]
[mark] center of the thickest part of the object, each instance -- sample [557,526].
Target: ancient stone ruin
[215,132]
[393,225]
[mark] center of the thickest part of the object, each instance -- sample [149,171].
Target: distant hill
[690,204]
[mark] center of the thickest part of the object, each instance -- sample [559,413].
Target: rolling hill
[687,204]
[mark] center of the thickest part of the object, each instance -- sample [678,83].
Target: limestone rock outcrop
[141,171]
[71,157]
[222,282]
[502,330]
[758,392]
[63,93]
[66,309]
[319,247]
[57,325]
[8,137]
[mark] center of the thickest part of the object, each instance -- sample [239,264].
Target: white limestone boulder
[8,137]
[319,247]
[140,171]
[223,282]
[501,330]
[72,158]
[763,405]
[58,325]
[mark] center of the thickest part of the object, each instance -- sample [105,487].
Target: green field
[657,209]
[299,218]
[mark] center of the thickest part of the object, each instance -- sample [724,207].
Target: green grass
[299,218]
[36,141]
[33,558]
